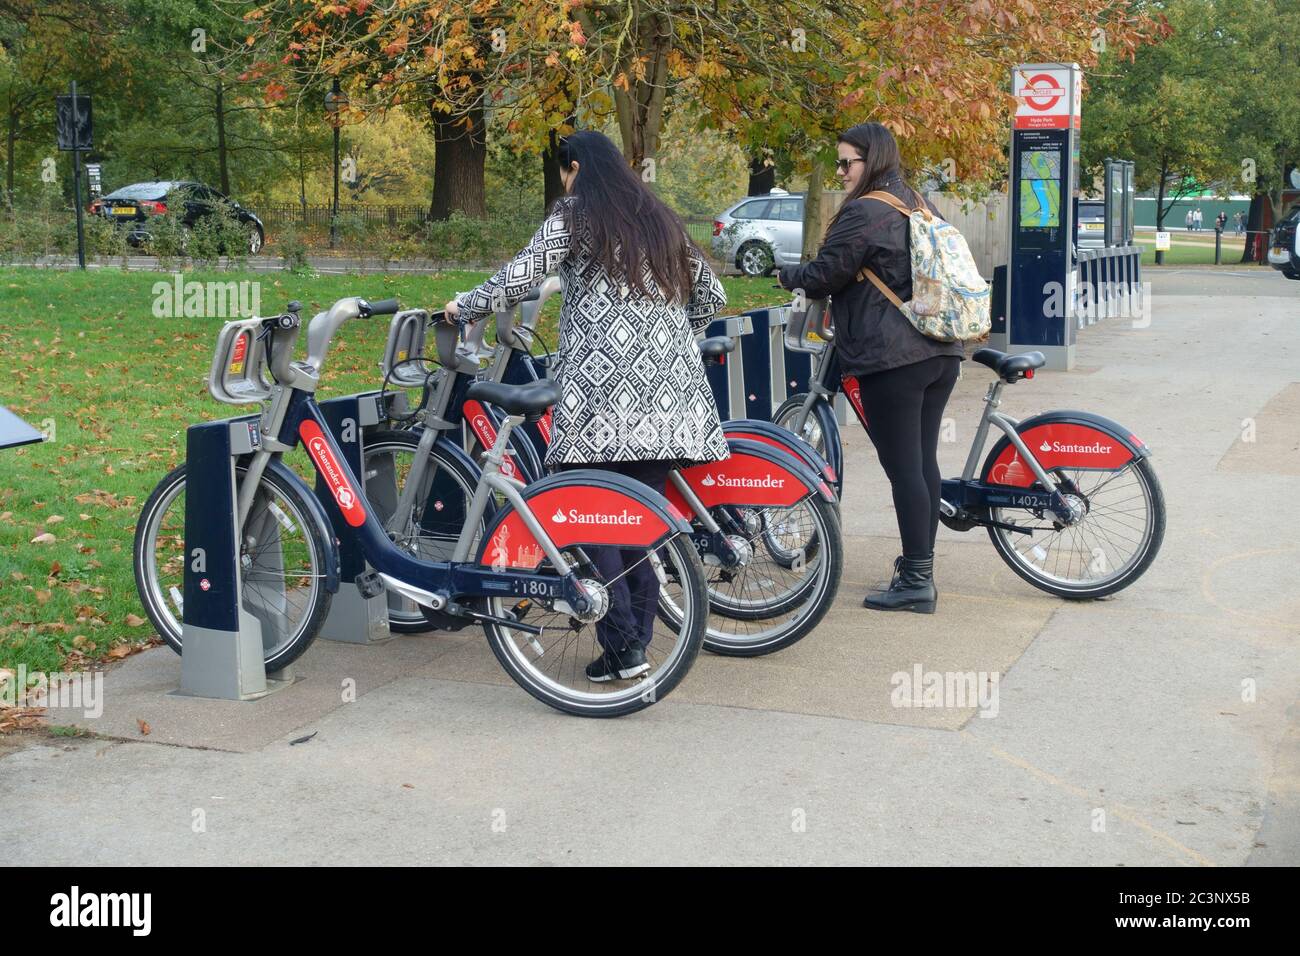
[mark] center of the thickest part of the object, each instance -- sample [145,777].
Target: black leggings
[904,411]
[634,595]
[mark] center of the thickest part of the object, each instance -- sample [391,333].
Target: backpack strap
[893,201]
[865,273]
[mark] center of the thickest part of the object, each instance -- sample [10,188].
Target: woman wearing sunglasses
[903,377]
[634,398]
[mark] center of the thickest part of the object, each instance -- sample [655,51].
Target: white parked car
[1092,224]
[760,233]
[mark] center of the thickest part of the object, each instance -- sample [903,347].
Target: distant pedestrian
[1189,219]
[1241,223]
[1221,220]
[1196,219]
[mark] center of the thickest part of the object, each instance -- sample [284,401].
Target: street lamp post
[335,101]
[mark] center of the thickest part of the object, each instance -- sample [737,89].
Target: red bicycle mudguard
[1063,439]
[580,508]
[778,437]
[756,475]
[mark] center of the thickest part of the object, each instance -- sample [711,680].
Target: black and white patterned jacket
[631,379]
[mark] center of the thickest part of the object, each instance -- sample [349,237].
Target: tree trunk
[460,156]
[11,134]
[640,108]
[761,178]
[552,185]
[812,213]
[221,140]
[1255,222]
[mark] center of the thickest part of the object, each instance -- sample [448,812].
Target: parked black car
[136,204]
[1284,246]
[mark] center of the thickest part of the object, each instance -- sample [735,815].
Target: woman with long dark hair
[902,378]
[634,398]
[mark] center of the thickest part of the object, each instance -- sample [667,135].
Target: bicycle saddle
[712,349]
[1010,368]
[531,399]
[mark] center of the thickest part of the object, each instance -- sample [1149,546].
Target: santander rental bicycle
[747,513]
[1069,498]
[517,543]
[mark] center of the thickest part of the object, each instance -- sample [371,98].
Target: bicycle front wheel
[431,526]
[281,557]
[785,587]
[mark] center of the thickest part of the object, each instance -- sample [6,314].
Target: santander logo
[319,449]
[1095,448]
[574,516]
[487,436]
[722,481]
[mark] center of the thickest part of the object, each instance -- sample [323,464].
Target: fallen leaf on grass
[45,538]
[134,620]
[119,652]
[54,519]
[20,718]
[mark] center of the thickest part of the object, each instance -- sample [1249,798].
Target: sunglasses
[843,164]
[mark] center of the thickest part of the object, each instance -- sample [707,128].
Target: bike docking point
[354,618]
[763,371]
[222,650]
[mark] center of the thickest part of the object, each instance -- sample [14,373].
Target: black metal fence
[317,215]
[276,216]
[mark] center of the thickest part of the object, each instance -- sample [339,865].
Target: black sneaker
[624,665]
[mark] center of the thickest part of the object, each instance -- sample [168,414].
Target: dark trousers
[904,410]
[634,593]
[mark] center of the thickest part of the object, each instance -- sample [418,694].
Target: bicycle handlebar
[382,307]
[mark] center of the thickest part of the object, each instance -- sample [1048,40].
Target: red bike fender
[1077,440]
[739,429]
[581,508]
[756,474]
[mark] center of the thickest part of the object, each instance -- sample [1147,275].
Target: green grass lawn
[87,361]
[1192,249]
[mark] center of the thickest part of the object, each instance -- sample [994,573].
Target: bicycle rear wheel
[282,565]
[1118,535]
[552,666]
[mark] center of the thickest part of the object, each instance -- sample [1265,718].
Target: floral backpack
[950,299]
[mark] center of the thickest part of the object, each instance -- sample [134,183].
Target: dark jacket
[871,335]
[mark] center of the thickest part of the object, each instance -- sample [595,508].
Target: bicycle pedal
[369,584]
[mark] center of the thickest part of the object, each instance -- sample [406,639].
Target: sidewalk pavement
[1125,733]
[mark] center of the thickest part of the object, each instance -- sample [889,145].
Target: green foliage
[291,247]
[1192,109]
[462,239]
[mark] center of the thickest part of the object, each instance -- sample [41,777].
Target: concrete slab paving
[1156,727]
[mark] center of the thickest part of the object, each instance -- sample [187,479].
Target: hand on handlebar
[450,312]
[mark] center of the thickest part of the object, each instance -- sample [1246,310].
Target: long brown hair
[875,144]
[625,223]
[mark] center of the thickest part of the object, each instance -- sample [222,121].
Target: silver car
[1092,224]
[760,233]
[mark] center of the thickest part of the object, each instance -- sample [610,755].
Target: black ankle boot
[893,581]
[912,589]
